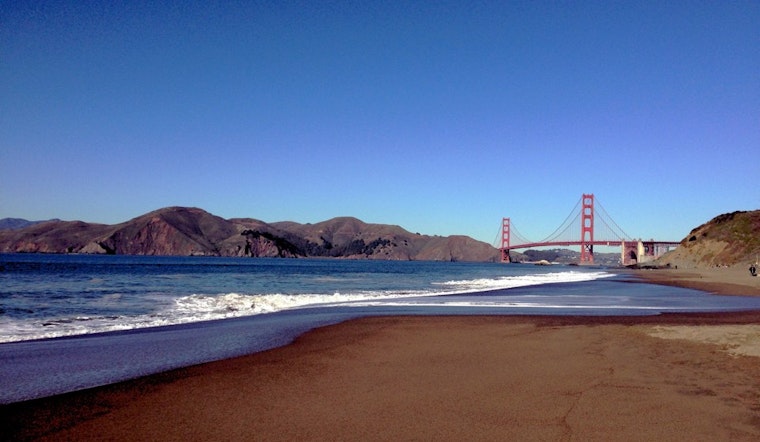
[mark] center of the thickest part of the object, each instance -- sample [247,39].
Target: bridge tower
[587,229]
[505,240]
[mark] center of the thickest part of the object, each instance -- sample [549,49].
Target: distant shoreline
[720,280]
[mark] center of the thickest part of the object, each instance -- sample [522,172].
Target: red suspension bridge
[588,225]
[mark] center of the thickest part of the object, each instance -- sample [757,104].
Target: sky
[441,117]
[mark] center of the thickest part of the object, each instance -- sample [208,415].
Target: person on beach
[752,270]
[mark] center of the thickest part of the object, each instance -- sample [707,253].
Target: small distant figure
[752,270]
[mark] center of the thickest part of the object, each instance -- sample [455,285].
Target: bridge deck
[593,243]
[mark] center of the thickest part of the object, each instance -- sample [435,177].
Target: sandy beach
[719,280]
[669,377]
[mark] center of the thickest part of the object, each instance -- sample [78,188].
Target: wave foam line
[201,307]
[234,304]
[507,282]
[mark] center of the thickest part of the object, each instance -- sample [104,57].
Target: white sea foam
[203,307]
[234,304]
[476,285]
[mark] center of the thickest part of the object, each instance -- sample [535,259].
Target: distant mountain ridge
[19,223]
[186,231]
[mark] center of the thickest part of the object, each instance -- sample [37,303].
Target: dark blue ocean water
[119,317]
[45,296]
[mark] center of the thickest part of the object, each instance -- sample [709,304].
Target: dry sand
[719,280]
[442,378]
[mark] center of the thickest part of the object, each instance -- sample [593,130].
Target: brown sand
[440,378]
[719,280]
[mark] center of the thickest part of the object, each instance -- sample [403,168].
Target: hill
[183,231]
[566,256]
[350,237]
[19,223]
[726,240]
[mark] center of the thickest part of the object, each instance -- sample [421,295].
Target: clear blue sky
[441,117]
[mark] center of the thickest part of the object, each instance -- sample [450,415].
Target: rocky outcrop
[264,244]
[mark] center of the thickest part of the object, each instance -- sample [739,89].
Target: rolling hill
[184,231]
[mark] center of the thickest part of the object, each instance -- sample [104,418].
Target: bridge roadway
[593,243]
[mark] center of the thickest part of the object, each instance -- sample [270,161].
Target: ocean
[69,322]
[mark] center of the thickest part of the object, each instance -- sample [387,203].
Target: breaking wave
[205,307]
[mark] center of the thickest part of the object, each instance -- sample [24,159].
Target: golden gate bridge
[587,225]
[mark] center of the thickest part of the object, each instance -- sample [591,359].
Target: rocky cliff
[726,240]
[183,231]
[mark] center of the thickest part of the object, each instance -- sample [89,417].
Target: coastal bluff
[189,231]
[729,239]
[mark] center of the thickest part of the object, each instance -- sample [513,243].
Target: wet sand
[719,280]
[443,378]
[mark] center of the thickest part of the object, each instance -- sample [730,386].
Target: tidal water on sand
[75,321]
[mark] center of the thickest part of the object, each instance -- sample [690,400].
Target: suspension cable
[516,233]
[497,240]
[562,227]
[625,235]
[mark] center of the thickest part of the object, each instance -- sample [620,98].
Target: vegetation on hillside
[726,240]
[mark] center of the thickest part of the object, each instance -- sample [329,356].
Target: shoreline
[726,281]
[443,377]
